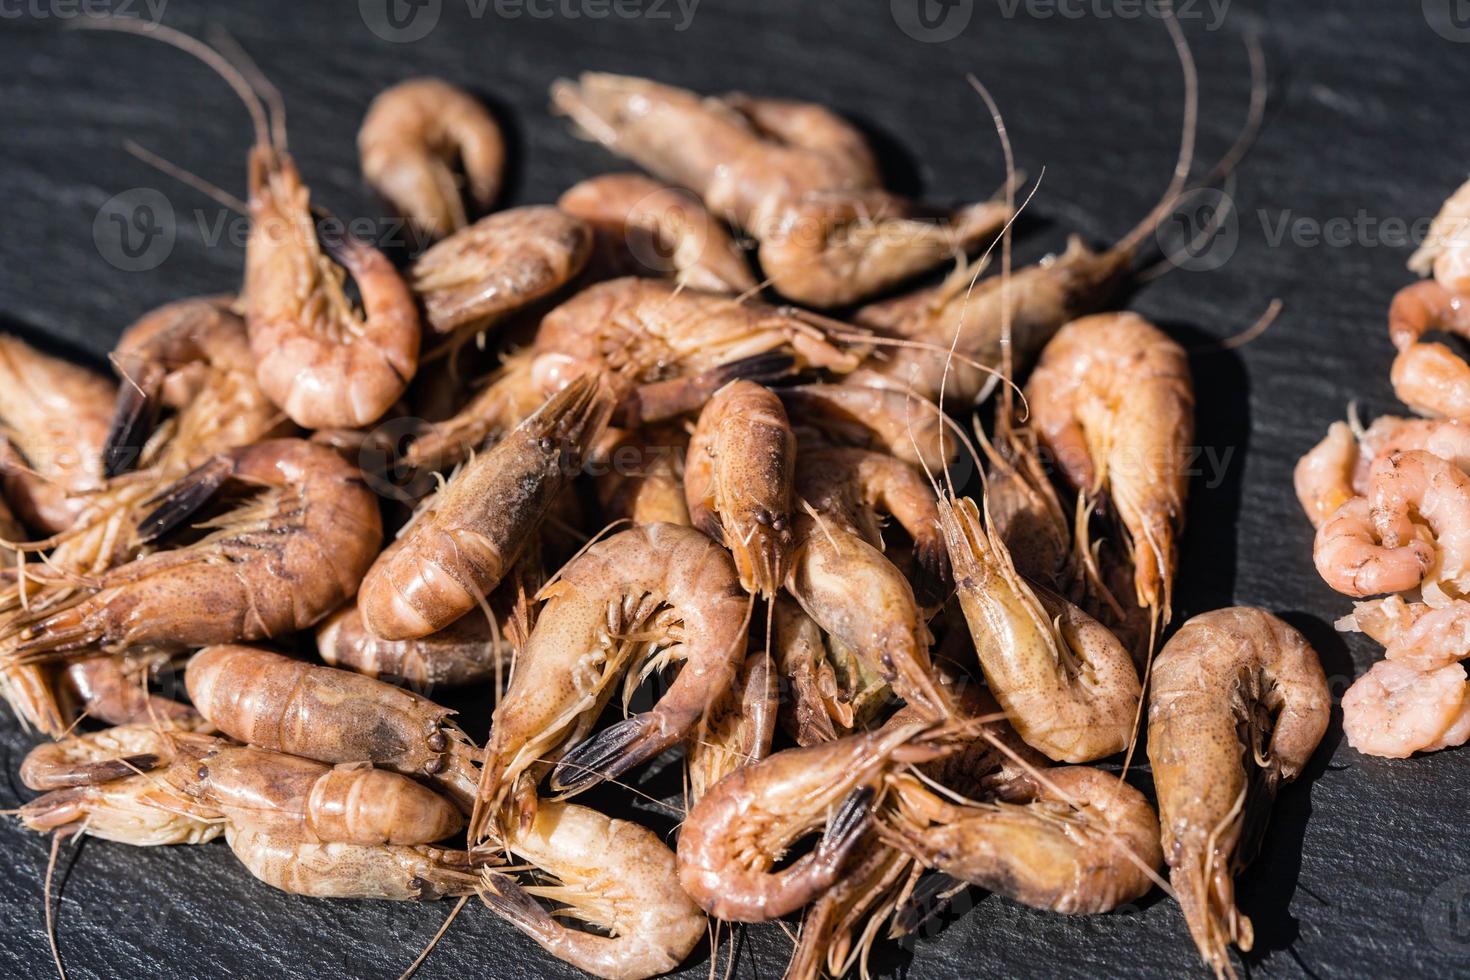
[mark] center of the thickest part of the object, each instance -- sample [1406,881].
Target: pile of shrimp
[565,465]
[1391,505]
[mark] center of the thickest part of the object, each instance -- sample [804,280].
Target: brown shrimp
[832,691]
[1065,681]
[643,475]
[1113,399]
[1237,706]
[468,651]
[456,550]
[193,357]
[113,689]
[412,138]
[669,349]
[282,560]
[739,830]
[645,227]
[612,874]
[738,481]
[330,715]
[699,613]
[1080,842]
[497,265]
[872,417]
[97,757]
[302,865]
[133,809]
[54,419]
[858,487]
[1429,377]
[739,729]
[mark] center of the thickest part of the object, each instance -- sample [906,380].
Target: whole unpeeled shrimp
[741,828]
[1113,400]
[280,561]
[499,264]
[113,689]
[330,715]
[54,419]
[1399,708]
[872,417]
[1080,841]
[468,651]
[643,227]
[612,874]
[1237,706]
[699,612]
[97,757]
[456,550]
[302,865]
[1065,681]
[1427,376]
[412,137]
[738,480]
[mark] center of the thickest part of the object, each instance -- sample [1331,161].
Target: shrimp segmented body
[279,562]
[1079,842]
[1427,376]
[645,227]
[456,551]
[699,615]
[1443,251]
[613,874]
[1324,476]
[739,729]
[468,651]
[330,715]
[1397,709]
[1237,706]
[302,865]
[1113,399]
[499,264]
[832,692]
[112,689]
[411,139]
[738,480]
[1065,681]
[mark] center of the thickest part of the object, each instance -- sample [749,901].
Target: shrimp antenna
[191,45]
[264,87]
[187,177]
[448,921]
[1184,162]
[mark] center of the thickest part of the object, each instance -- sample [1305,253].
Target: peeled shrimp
[1237,706]
[1429,377]
[738,480]
[1398,708]
[499,264]
[1324,476]
[613,874]
[1114,401]
[1065,681]
[1443,251]
[456,551]
[412,137]
[645,227]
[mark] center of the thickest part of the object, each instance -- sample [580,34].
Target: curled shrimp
[192,357]
[1079,842]
[97,757]
[1113,400]
[1398,708]
[1443,251]
[1351,559]
[1324,476]
[736,833]
[1449,439]
[1066,683]
[330,715]
[738,480]
[699,613]
[112,689]
[1237,706]
[302,865]
[54,419]
[739,729]
[280,561]
[456,550]
[497,265]
[468,651]
[869,417]
[645,227]
[612,874]
[643,476]
[410,141]
[1429,377]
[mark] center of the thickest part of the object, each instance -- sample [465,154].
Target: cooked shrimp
[130,810]
[411,139]
[690,587]
[866,892]
[741,828]
[112,689]
[1079,842]
[738,481]
[832,691]
[330,715]
[1421,636]
[1415,484]
[1114,401]
[1382,619]
[1066,683]
[1324,476]
[302,865]
[97,757]
[470,650]
[1443,251]
[857,488]
[1429,377]
[508,397]
[1350,558]
[881,419]
[456,551]
[281,561]
[1449,439]
[54,418]
[643,476]
[1025,510]
[1237,706]
[1397,709]
[499,264]
[643,227]
[739,729]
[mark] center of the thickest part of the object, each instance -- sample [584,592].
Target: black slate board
[1362,873]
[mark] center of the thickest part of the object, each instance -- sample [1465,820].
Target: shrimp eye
[437,741]
[203,772]
[763,518]
[546,444]
[779,523]
[433,766]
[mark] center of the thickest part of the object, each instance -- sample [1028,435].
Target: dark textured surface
[1364,871]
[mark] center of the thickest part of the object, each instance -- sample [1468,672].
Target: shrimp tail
[609,754]
[178,502]
[135,415]
[844,830]
[1206,894]
[507,899]
[659,401]
[106,770]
